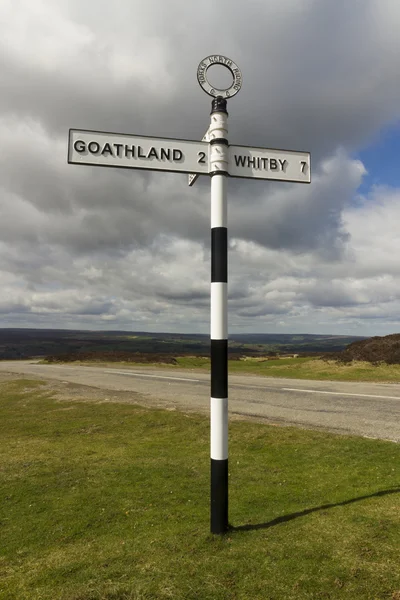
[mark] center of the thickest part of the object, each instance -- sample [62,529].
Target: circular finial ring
[216,59]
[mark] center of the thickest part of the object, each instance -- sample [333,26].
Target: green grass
[305,368]
[292,368]
[111,502]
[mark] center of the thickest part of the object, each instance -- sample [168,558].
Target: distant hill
[21,343]
[375,350]
[300,343]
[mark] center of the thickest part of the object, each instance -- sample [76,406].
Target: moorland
[26,343]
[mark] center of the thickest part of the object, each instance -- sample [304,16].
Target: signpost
[260,163]
[215,157]
[98,148]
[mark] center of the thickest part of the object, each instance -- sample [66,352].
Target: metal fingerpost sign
[212,156]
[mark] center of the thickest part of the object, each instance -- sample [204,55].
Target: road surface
[366,409]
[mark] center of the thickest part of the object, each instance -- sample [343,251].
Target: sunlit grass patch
[294,368]
[355,371]
[306,368]
[111,502]
[193,362]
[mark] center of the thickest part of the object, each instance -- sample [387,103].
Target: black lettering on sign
[152,153]
[283,164]
[201,72]
[273,164]
[240,161]
[177,154]
[129,150]
[80,146]
[118,148]
[94,147]
[165,154]
[106,149]
[202,157]
[140,152]
[303,166]
[264,162]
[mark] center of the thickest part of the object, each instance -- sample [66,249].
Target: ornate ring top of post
[216,59]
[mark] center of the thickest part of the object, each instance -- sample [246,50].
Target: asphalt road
[366,409]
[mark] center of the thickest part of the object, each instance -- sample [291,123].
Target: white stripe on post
[219,435]
[219,317]
[218,209]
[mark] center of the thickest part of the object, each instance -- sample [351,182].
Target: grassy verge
[306,368]
[293,368]
[110,502]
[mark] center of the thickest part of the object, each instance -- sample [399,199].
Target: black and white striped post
[219,320]
[219,161]
[104,149]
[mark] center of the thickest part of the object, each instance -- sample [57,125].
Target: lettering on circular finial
[236,73]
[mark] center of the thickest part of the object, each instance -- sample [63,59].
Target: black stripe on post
[219,255]
[223,141]
[219,368]
[219,498]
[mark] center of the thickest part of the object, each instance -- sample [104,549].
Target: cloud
[88,247]
[302,218]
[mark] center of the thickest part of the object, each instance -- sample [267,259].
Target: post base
[219,496]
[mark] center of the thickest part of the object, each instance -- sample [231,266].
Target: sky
[85,247]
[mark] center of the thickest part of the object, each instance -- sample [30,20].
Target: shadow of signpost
[307,511]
